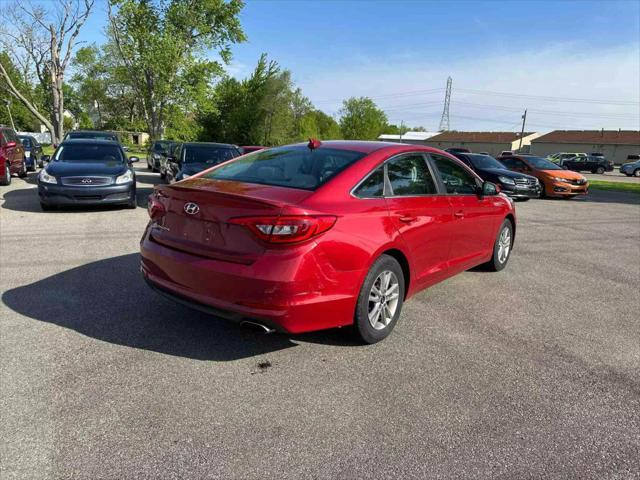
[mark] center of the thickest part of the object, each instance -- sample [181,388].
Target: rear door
[475,217]
[421,213]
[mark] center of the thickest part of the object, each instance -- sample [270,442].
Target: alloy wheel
[383,299]
[504,244]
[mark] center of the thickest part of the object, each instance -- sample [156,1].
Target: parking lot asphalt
[527,373]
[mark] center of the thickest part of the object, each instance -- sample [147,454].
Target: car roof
[91,141]
[210,144]
[106,132]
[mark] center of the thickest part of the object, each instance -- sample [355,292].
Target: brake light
[286,229]
[155,208]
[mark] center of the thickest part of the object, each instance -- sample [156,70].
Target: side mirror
[489,189]
[133,159]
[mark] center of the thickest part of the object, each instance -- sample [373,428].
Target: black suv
[517,185]
[188,159]
[157,150]
[590,163]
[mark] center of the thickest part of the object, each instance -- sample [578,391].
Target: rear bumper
[63,195]
[292,292]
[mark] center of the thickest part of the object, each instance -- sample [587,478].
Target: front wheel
[7,176]
[636,173]
[543,191]
[600,170]
[502,247]
[380,300]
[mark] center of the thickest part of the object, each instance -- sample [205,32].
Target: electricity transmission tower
[444,121]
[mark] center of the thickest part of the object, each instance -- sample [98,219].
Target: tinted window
[409,175]
[161,146]
[89,153]
[26,142]
[484,161]
[513,163]
[373,186]
[455,177]
[293,166]
[209,154]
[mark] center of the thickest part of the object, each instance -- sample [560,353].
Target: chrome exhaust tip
[256,325]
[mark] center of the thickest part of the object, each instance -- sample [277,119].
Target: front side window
[294,166]
[457,180]
[89,153]
[207,154]
[409,175]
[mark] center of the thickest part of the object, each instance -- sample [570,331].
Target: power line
[622,116]
[542,97]
[389,95]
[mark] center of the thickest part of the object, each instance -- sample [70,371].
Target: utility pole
[444,121]
[524,120]
[8,104]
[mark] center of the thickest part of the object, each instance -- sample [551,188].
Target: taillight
[155,208]
[286,229]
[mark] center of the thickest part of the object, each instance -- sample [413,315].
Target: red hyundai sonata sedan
[307,237]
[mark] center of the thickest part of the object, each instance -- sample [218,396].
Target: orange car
[554,180]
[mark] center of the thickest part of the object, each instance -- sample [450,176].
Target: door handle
[407,219]
[459,214]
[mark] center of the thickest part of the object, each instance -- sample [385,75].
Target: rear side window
[409,175]
[456,179]
[373,186]
[211,155]
[294,166]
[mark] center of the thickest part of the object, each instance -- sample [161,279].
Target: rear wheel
[636,173]
[380,300]
[600,170]
[7,175]
[23,171]
[543,190]
[502,247]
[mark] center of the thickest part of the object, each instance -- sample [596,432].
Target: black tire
[362,327]
[23,172]
[496,263]
[521,199]
[45,207]
[543,191]
[600,170]
[636,173]
[7,176]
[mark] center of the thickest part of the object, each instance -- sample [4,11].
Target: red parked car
[308,237]
[11,156]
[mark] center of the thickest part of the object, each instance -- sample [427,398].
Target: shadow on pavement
[108,300]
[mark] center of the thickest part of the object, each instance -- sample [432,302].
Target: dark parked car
[457,150]
[515,184]
[32,152]
[157,150]
[86,172]
[191,158]
[590,163]
[632,166]
[11,156]
[251,148]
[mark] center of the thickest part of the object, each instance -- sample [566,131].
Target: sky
[572,64]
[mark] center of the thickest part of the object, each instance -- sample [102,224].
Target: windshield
[89,153]
[162,146]
[543,164]
[26,142]
[209,154]
[95,135]
[484,162]
[293,166]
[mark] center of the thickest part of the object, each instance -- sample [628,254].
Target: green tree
[162,45]
[361,119]
[23,119]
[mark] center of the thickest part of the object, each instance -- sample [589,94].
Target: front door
[475,217]
[421,214]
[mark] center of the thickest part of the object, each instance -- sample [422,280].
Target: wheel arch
[512,219]
[401,258]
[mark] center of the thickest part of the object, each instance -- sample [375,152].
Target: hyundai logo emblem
[86,180]
[191,208]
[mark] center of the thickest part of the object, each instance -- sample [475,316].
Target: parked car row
[632,167]
[594,162]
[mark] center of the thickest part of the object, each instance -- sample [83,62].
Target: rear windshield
[162,146]
[209,154]
[89,153]
[26,142]
[96,135]
[293,166]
